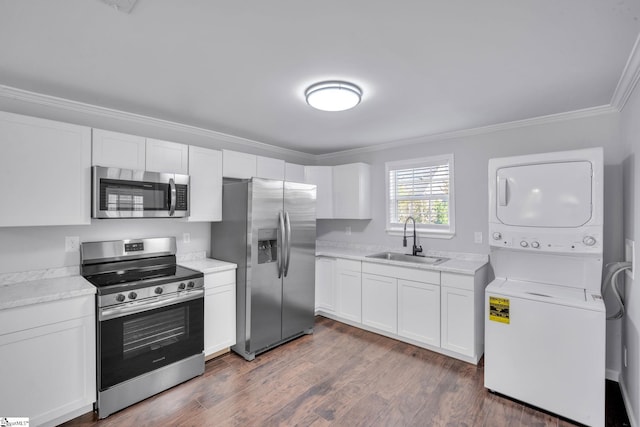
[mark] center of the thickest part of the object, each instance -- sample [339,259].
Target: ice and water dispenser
[267,245]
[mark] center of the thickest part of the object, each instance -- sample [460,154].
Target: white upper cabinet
[238,165]
[166,156]
[205,171]
[45,166]
[322,178]
[269,168]
[293,172]
[352,191]
[118,150]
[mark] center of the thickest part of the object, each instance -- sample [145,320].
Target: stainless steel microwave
[126,193]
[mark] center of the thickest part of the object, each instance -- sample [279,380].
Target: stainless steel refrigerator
[268,229]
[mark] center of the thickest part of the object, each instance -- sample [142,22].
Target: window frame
[422,229]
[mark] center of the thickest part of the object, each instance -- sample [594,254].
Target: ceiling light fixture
[333,96]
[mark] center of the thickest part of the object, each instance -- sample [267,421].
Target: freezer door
[299,264]
[545,194]
[264,287]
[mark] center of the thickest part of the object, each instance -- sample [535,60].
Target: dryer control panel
[587,241]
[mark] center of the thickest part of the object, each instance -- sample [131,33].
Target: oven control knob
[524,244]
[158,290]
[120,298]
[497,235]
[181,286]
[191,284]
[589,241]
[535,244]
[133,295]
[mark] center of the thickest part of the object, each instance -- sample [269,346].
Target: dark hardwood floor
[340,376]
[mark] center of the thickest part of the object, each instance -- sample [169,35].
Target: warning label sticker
[499,309]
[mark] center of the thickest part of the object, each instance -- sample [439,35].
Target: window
[422,189]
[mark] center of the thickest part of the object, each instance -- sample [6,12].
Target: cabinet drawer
[221,278]
[348,265]
[413,274]
[46,313]
[457,280]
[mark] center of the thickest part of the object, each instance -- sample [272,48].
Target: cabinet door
[322,178]
[45,171]
[269,168]
[325,285]
[166,156]
[219,318]
[457,320]
[380,302]
[350,295]
[351,191]
[419,312]
[118,150]
[205,184]
[238,165]
[293,172]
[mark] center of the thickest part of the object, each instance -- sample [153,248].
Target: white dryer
[544,316]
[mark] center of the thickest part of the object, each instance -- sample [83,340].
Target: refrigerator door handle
[288,243]
[281,240]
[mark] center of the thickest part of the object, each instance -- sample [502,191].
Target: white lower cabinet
[48,360]
[419,312]
[219,312]
[325,285]
[379,302]
[349,294]
[440,311]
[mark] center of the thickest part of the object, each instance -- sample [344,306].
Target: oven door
[132,342]
[124,193]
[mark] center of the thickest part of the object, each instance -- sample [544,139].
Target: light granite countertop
[208,265]
[457,262]
[43,290]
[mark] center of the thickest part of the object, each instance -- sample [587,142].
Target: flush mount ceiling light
[333,96]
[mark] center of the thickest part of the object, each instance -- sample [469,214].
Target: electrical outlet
[630,255]
[186,237]
[71,244]
[477,237]
[347,230]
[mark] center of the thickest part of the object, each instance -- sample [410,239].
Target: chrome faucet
[416,249]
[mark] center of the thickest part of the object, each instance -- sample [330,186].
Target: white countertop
[43,290]
[456,264]
[208,265]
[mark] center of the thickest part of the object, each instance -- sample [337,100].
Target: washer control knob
[181,286]
[133,295]
[191,285]
[158,290]
[497,235]
[120,297]
[589,241]
[524,244]
[535,244]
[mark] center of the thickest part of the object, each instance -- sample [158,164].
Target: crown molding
[535,121]
[95,110]
[628,79]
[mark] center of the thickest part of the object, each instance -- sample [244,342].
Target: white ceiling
[241,67]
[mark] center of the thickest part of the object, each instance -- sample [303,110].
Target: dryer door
[545,195]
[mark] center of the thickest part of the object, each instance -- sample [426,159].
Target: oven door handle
[140,307]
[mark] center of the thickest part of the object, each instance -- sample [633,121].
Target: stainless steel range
[150,319]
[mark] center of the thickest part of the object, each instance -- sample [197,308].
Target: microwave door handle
[288,243]
[172,197]
[502,191]
[280,243]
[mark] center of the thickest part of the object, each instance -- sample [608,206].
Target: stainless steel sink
[417,259]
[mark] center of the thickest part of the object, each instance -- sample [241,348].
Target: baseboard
[627,403]
[612,375]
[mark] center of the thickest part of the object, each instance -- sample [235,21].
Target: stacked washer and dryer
[545,318]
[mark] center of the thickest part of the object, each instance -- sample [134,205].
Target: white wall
[471,159]
[630,375]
